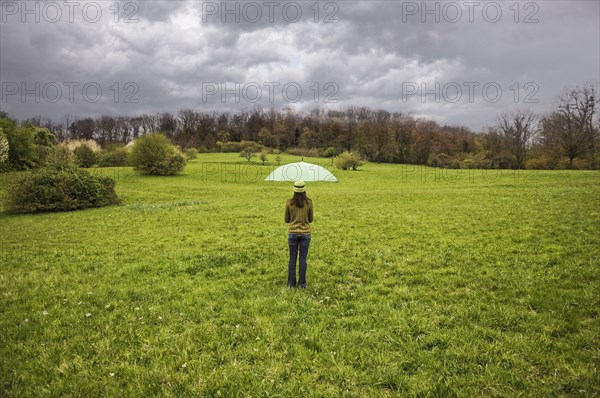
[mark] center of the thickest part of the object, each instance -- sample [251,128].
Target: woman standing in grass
[299,214]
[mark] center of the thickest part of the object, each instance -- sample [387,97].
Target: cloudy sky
[457,62]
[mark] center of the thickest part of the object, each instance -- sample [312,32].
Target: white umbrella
[301,171]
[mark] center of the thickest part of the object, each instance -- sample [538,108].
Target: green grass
[420,283]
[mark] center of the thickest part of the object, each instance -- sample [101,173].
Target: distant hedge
[55,189]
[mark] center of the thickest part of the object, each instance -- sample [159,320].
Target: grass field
[421,282]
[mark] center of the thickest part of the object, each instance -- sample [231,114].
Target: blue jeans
[295,242]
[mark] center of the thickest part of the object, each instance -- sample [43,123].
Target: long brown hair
[299,199]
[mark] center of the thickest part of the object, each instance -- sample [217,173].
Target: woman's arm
[287,216]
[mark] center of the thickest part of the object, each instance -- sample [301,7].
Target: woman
[299,214]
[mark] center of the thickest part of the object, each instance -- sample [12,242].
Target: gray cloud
[164,56]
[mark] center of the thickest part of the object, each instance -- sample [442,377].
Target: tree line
[565,137]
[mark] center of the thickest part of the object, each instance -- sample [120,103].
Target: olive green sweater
[299,218]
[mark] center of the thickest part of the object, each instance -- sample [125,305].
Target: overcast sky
[455,62]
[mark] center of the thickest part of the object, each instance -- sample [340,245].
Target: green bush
[264,156]
[249,149]
[43,141]
[22,152]
[42,136]
[61,157]
[85,156]
[115,157]
[191,153]
[153,154]
[329,152]
[348,160]
[55,189]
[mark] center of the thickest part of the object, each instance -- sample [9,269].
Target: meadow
[421,282]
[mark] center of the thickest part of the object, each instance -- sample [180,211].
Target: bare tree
[83,129]
[106,129]
[136,123]
[519,128]
[572,124]
[188,121]
[168,124]
[150,123]
[123,129]
[67,121]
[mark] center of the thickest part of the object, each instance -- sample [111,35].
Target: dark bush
[153,154]
[54,189]
[115,157]
[85,156]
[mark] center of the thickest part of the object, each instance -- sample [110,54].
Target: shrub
[42,136]
[56,189]
[329,152]
[22,152]
[153,154]
[116,157]
[347,160]
[43,141]
[191,153]
[61,157]
[264,156]
[249,149]
[85,156]
[247,153]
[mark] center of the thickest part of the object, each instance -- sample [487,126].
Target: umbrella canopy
[301,171]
